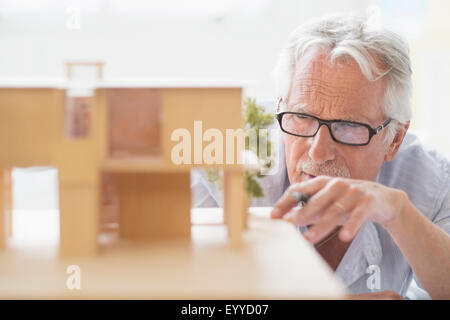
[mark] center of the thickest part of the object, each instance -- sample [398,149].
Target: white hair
[351,36]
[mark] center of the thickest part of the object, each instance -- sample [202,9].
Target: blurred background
[205,40]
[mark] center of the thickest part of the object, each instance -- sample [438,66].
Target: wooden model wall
[90,138]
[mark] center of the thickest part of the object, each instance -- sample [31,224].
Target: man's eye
[350,125]
[299,116]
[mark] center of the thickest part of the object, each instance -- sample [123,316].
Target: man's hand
[383,295]
[339,201]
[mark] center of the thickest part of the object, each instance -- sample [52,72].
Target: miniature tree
[256,121]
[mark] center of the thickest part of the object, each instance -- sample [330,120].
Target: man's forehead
[342,75]
[338,89]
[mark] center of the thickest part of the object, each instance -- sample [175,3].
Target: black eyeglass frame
[328,123]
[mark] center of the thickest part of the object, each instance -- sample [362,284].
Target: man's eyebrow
[299,107]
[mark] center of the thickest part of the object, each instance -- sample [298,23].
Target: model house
[114,152]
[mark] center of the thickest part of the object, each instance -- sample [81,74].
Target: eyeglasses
[342,131]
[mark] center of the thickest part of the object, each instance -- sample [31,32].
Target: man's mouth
[307,175]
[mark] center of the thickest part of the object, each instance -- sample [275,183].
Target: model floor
[275,262]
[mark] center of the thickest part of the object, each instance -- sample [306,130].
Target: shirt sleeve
[442,219]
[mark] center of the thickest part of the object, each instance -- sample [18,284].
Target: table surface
[275,262]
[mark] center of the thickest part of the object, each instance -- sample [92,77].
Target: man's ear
[398,139]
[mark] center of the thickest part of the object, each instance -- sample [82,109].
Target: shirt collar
[365,250]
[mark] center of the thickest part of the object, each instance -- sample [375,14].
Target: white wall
[237,42]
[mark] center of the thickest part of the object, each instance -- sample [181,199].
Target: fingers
[357,218]
[334,215]
[319,202]
[294,213]
[287,201]
[332,202]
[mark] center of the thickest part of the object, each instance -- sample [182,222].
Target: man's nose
[322,146]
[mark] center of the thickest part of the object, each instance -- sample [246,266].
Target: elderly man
[344,110]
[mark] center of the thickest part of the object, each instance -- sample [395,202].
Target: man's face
[333,92]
